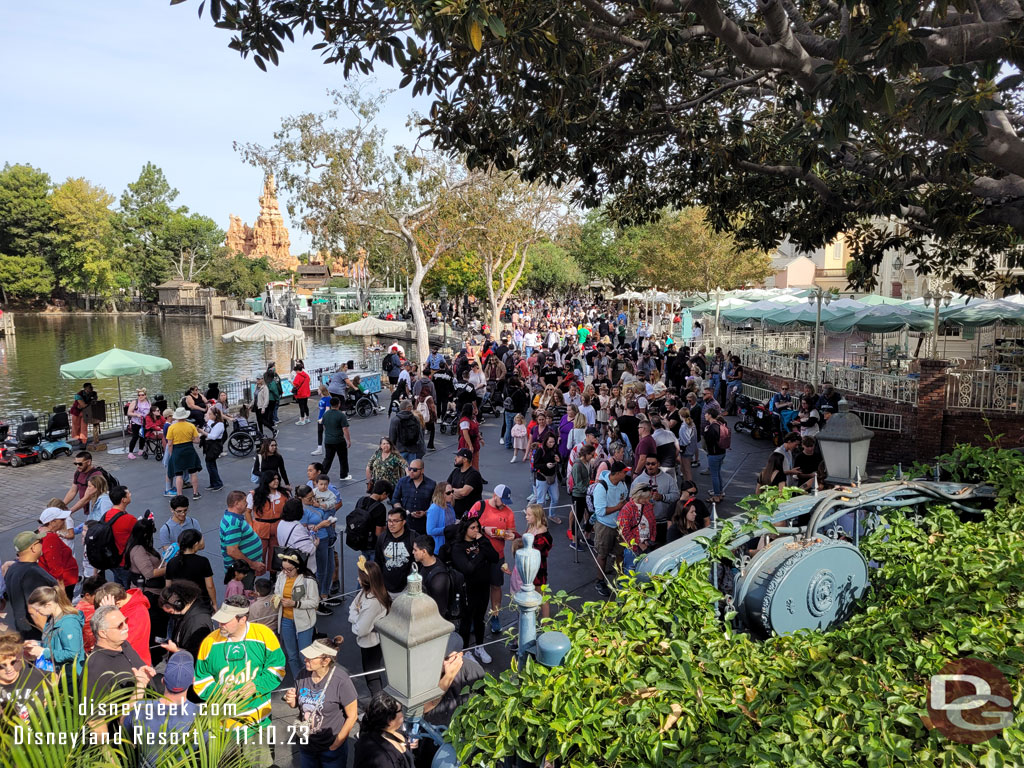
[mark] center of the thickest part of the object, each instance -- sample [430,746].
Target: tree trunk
[419,319]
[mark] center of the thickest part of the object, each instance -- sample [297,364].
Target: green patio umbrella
[113,364]
[709,307]
[802,315]
[978,314]
[874,300]
[881,318]
[753,311]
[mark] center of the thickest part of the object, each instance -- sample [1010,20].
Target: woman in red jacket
[57,558]
[300,391]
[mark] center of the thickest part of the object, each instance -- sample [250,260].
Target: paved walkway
[26,490]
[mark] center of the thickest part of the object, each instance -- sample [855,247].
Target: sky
[97,89]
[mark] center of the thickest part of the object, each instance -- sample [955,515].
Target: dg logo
[969,701]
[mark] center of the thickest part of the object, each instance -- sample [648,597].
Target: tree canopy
[809,118]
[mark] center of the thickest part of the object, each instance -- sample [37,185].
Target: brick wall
[928,429]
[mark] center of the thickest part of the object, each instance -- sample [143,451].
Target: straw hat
[180,414]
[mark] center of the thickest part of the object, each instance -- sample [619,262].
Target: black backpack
[458,597]
[100,546]
[409,431]
[359,528]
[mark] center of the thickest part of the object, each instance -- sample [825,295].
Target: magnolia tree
[348,190]
[808,117]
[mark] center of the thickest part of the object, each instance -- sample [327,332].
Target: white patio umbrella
[264,331]
[370,326]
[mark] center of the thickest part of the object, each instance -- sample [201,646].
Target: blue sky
[96,89]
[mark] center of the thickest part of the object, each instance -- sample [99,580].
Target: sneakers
[323,610]
[300,422]
[602,588]
[346,477]
[575,545]
[694,463]
[214,487]
[705,471]
[484,656]
[495,624]
[170,493]
[131,456]
[318,452]
[512,460]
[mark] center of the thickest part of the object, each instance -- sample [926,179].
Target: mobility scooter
[55,438]
[23,447]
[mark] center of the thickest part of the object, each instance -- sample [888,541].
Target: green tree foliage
[25,277]
[682,252]
[654,679]
[26,218]
[143,213]
[551,271]
[194,242]
[461,270]
[83,238]
[811,118]
[237,275]
[593,245]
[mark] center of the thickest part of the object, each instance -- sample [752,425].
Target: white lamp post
[844,445]
[718,308]
[817,296]
[413,640]
[937,299]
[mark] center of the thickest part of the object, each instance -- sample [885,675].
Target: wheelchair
[243,440]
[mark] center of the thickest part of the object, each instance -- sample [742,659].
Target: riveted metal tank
[797,583]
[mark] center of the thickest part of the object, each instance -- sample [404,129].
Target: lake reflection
[29,364]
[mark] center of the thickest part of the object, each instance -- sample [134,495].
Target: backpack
[111,480]
[100,545]
[409,431]
[724,437]
[359,526]
[458,597]
[590,495]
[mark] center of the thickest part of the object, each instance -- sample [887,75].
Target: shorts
[498,575]
[606,540]
[392,380]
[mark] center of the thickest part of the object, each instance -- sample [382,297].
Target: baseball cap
[504,493]
[617,467]
[464,453]
[53,513]
[180,672]
[227,612]
[317,649]
[26,539]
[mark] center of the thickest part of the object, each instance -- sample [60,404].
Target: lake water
[30,362]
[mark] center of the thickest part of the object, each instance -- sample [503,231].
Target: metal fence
[859,381]
[790,342]
[985,390]
[877,420]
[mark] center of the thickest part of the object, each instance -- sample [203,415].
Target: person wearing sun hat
[22,577]
[182,439]
[326,700]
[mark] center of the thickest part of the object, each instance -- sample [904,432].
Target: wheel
[45,455]
[16,461]
[158,453]
[364,408]
[240,444]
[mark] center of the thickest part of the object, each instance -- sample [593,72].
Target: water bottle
[44,665]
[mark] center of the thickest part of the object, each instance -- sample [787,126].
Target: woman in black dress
[269,460]
[474,557]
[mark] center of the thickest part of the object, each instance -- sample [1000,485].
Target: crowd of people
[612,427]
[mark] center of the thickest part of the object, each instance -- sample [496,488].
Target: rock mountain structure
[267,237]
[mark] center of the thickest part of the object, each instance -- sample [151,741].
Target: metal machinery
[812,575]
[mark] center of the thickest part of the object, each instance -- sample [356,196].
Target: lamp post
[844,445]
[938,299]
[413,640]
[718,307]
[443,295]
[816,297]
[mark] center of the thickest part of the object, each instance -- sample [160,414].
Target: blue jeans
[324,565]
[542,489]
[628,560]
[715,467]
[294,642]
[410,456]
[122,576]
[510,420]
[329,758]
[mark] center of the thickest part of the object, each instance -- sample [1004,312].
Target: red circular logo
[969,701]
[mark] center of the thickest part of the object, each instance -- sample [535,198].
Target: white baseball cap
[53,513]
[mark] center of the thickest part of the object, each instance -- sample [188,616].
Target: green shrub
[654,680]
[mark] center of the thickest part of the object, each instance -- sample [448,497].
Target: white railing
[876,420]
[847,380]
[787,343]
[985,390]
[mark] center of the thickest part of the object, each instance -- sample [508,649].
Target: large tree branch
[970,42]
[795,173]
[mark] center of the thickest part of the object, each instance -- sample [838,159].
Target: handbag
[284,549]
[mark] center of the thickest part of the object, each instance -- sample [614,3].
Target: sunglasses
[449,493]
[79,463]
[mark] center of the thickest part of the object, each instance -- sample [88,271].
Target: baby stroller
[23,447]
[448,422]
[492,401]
[55,439]
[755,418]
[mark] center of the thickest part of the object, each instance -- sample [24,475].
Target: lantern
[844,445]
[413,641]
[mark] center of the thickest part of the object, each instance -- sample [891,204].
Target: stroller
[55,439]
[448,422]
[23,448]
[492,401]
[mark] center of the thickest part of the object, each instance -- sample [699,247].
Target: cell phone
[160,640]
